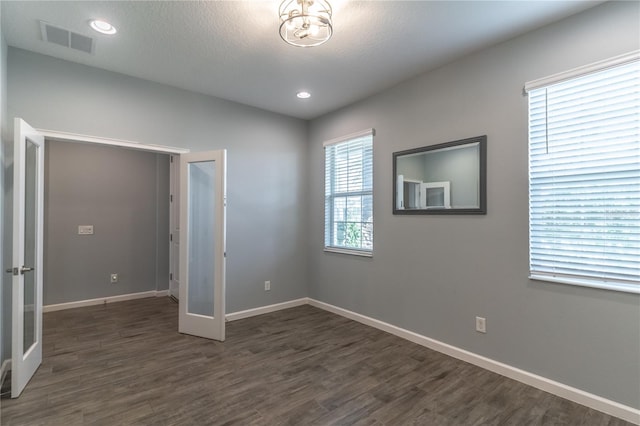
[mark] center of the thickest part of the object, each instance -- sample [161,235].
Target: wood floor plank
[125,364]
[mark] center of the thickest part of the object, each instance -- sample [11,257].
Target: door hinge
[170,237]
[171,156]
[171,198]
[171,275]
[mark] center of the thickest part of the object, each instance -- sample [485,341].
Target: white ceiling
[232,49]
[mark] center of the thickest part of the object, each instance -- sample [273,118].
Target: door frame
[75,137]
[55,135]
[174,226]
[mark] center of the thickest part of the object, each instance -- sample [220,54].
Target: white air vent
[66,38]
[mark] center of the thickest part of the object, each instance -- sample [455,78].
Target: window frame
[594,281]
[329,222]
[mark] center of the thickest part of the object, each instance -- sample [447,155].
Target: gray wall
[266,158]
[411,167]
[434,274]
[117,191]
[461,167]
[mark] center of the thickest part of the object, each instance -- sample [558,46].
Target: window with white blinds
[348,195]
[584,179]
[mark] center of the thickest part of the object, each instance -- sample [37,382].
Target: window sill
[605,285]
[362,253]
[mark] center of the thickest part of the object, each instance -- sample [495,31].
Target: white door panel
[28,201]
[202,244]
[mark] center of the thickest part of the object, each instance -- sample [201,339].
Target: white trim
[354,252]
[605,285]
[4,369]
[234,316]
[583,70]
[73,137]
[446,189]
[367,132]
[103,300]
[596,402]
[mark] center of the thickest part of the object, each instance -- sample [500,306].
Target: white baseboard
[102,300]
[4,369]
[266,309]
[596,402]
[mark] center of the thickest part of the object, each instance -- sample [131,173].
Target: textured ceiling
[232,50]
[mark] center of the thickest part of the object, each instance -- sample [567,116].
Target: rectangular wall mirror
[447,178]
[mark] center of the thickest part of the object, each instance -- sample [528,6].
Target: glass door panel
[30,243]
[202,205]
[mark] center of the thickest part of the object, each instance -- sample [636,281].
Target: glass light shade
[305,23]
[102,27]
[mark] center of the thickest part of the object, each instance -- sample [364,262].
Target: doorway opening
[106,224]
[128,213]
[122,154]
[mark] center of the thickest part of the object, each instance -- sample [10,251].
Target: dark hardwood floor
[125,364]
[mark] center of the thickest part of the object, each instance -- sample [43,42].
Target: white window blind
[584,179]
[348,211]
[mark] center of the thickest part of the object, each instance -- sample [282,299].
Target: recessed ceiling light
[102,26]
[303,95]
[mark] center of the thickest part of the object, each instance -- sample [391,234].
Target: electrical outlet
[85,229]
[267,285]
[481,325]
[114,278]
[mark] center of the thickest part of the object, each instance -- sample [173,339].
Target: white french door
[28,199]
[202,244]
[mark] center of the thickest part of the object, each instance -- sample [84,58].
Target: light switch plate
[85,229]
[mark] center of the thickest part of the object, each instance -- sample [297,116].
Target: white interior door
[28,199]
[202,244]
[174,220]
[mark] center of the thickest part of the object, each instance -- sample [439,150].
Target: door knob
[25,269]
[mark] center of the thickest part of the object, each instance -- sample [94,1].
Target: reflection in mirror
[447,178]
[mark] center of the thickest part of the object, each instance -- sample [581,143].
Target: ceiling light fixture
[102,27]
[305,23]
[303,95]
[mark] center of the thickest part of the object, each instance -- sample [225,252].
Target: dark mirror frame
[482,209]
